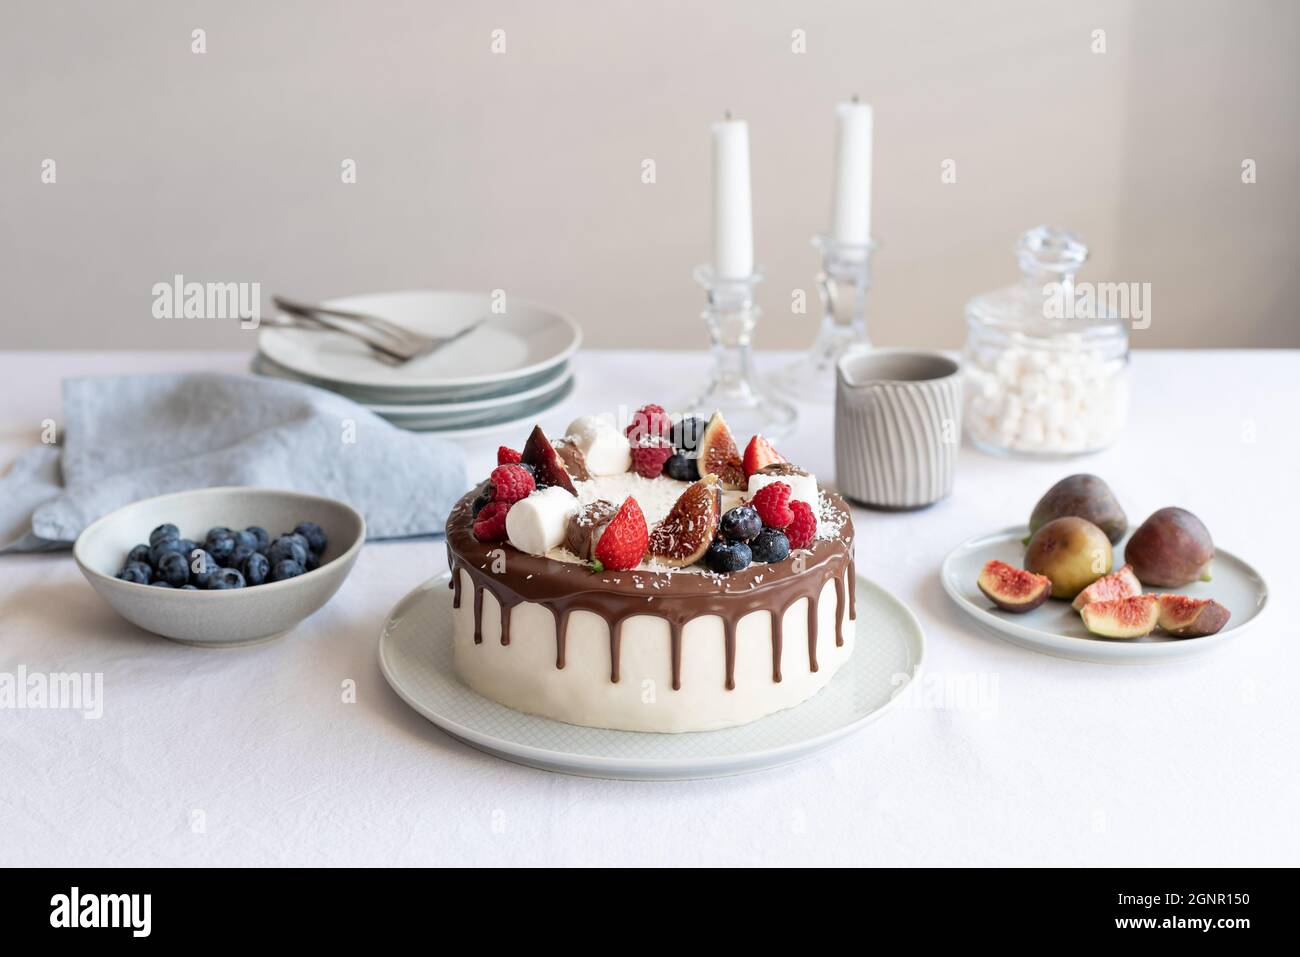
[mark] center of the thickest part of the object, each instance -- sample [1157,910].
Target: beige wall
[522,170]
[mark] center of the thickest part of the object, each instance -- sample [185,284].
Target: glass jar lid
[1045,303]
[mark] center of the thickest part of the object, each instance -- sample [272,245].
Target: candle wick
[726,115]
[855,98]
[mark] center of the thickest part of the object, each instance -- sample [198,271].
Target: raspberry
[512,482]
[650,421]
[624,540]
[490,525]
[507,456]
[649,456]
[773,505]
[803,529]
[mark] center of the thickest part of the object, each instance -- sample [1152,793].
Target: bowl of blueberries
[221,566]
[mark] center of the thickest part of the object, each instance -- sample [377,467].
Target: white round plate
[415,654]
[452,412]
[1057,629]
[457,411]
[525,340]
[419,399]
[514,416]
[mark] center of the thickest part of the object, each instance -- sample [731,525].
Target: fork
[384,337]
[311,325]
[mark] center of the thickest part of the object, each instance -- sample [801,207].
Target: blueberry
[245,539]
[217,531]
[174,569]
[770,545]
[236,559]
[313,562]
[202,567]
[287,548]
[483,497]
[286,568]
[740,524]
[189,588]
[262,535]
[188,545]
[165,547]
[161,584]
[299,538]
[225,578]
[255,568]
[687,434]
[314,534]
[164,532]
[725,556]
[221,547]
[681,467]
[137,572]
[138,554]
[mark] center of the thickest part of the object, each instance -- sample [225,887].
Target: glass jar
[1046,371]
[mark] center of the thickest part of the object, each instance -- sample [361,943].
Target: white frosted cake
[597,581]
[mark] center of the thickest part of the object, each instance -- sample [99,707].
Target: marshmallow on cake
[605,450]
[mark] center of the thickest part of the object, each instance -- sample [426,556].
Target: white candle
[733,228]
[851,212]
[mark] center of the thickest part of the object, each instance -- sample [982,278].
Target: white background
[1062,763]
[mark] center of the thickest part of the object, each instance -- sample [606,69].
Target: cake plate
[415,655]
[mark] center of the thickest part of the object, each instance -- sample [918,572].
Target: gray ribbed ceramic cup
[897,427]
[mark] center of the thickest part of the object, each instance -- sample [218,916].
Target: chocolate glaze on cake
[565,587]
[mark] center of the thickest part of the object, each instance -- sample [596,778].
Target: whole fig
[1171,548]
[1070,551]
[1083,496]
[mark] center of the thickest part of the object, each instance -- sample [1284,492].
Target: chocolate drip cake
[597,580]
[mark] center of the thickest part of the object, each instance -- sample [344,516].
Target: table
[253,756]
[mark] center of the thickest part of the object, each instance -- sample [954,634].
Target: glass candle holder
[843,283]
[730,316]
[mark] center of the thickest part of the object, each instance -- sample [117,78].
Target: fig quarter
[1013,589]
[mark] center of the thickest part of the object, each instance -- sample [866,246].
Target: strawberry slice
[759,454]
[624,540]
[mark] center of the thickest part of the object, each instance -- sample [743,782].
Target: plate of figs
[1079,582]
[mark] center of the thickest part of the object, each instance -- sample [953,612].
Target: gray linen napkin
[132,437]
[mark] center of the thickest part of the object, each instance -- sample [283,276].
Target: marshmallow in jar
[1047,370]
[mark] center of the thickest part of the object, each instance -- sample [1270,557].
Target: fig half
[1122,617]
[1185,617]
[1121,584]
[1013,589]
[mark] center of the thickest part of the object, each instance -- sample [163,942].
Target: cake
[650,577]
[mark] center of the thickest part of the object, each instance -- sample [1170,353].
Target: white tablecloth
[1008,757]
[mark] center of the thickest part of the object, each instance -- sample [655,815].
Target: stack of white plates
[505,372]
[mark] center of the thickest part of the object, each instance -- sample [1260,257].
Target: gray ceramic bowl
[220,618]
